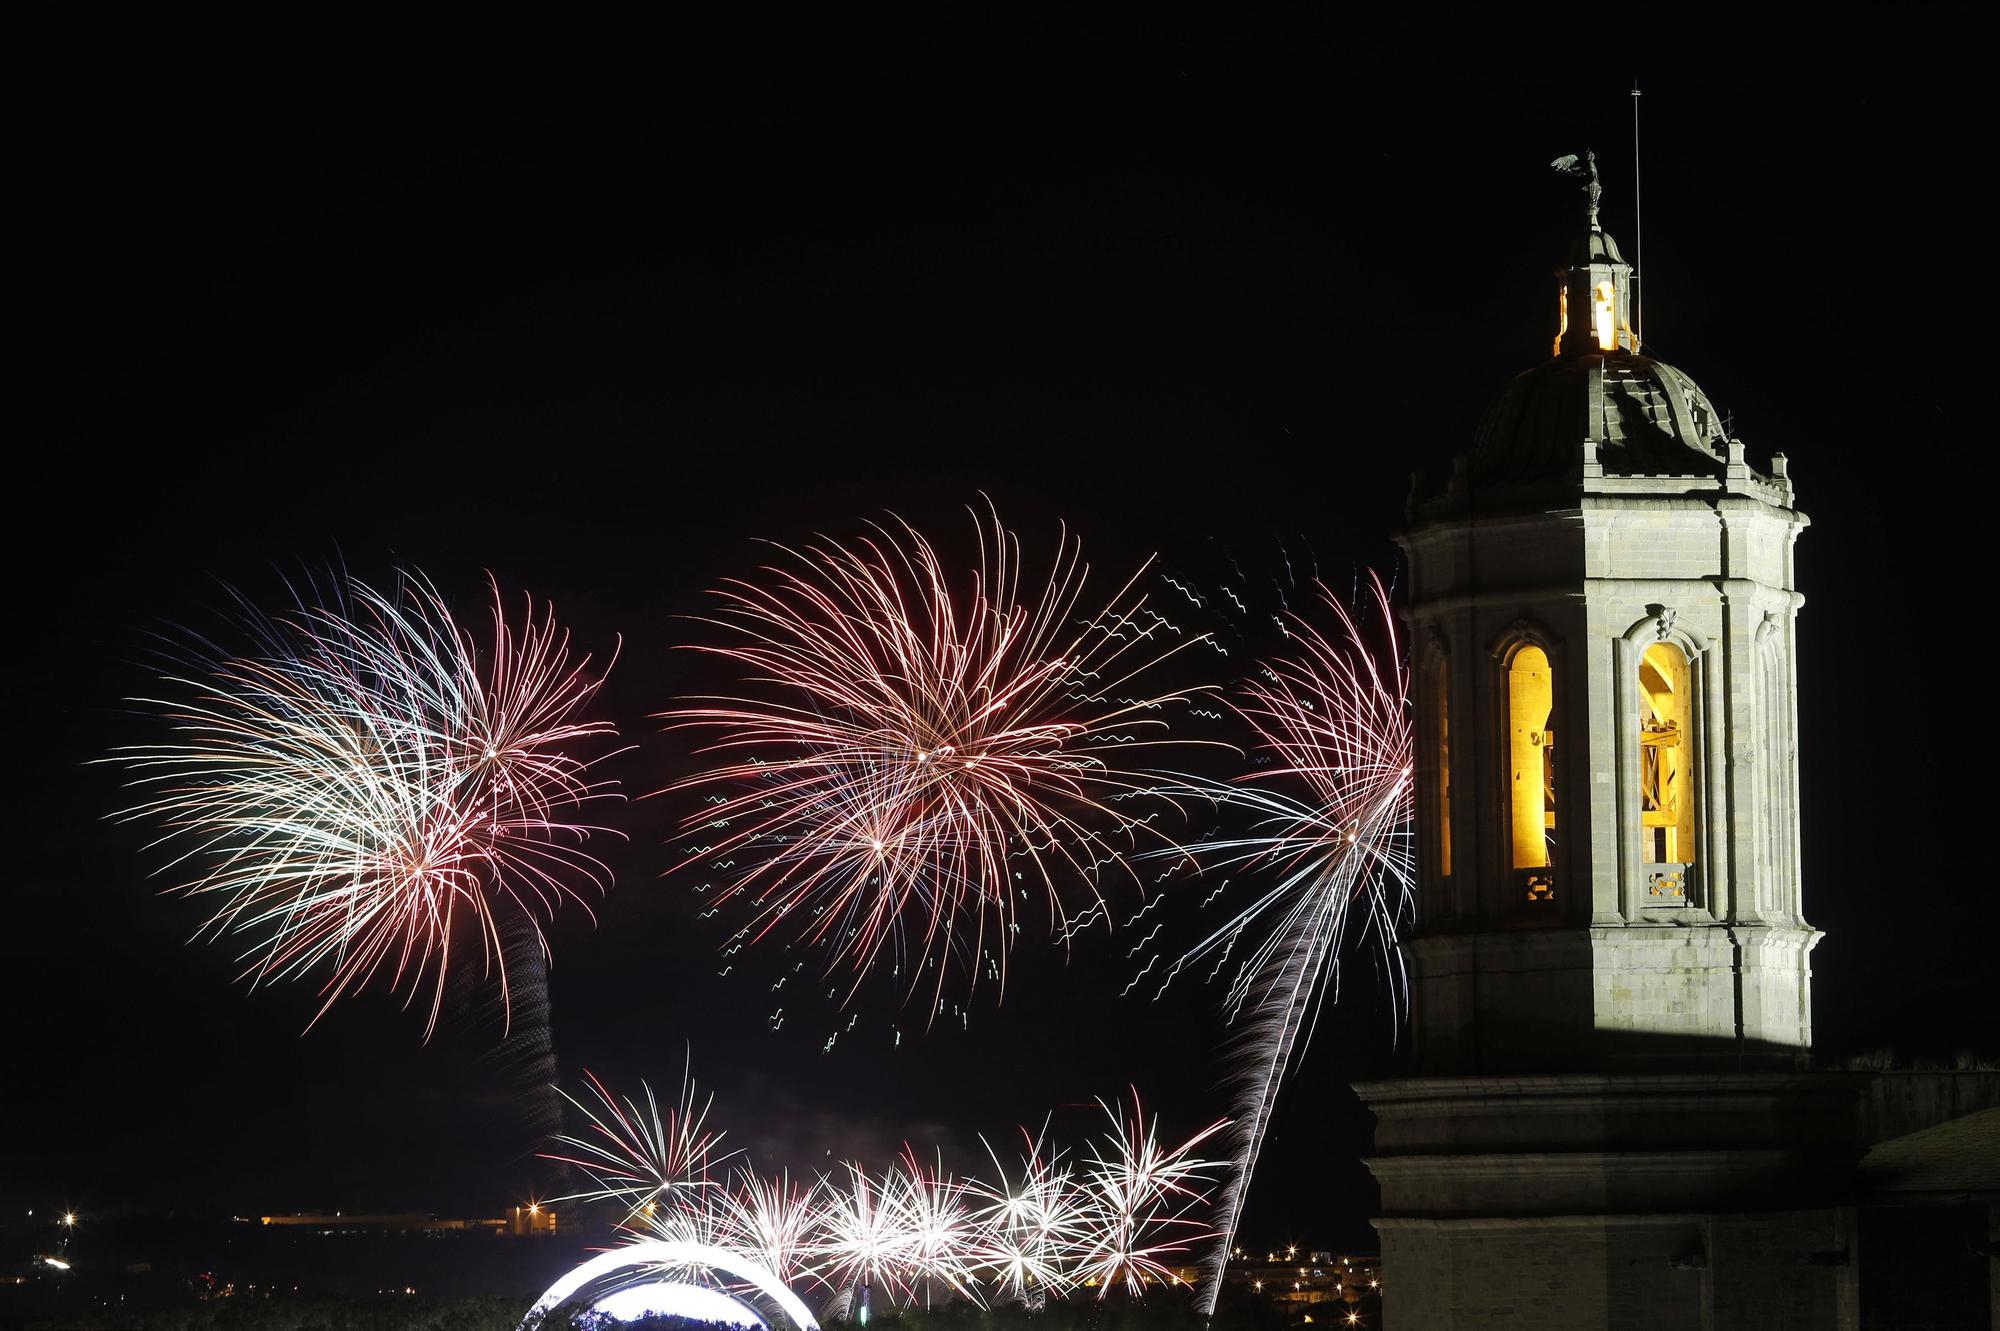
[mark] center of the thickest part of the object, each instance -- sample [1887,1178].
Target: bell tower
[1602,607]
[1611,1116]
[1611,1120]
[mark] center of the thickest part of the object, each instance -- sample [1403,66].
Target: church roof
[1648,418]
[1954,1159]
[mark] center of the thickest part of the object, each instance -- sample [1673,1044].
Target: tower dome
[1600,405]
[1593,246]
[1645,417]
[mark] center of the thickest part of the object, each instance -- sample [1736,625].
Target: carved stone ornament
[1523,632]
[1663,620]
[1666,883]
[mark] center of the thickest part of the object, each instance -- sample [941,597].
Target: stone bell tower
[1610,990]
[1602,610]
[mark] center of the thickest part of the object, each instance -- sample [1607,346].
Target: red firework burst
[913,765]
[362,780]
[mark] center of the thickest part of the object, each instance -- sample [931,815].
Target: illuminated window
[1604,317]
[1666,753]
[1532,749]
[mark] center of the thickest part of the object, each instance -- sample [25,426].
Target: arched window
[1440,681]
[1666,756]
[1532,754]
[1604,317]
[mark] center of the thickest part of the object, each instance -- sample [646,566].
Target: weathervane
[1585,168]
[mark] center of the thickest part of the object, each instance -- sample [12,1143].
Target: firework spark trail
[775,1221]
[655,1169]
[1333,815]
[913,1230]
[914,761]
[1031,1228]
[1140,1197]
[356,782]
[863,1242]
[941,1242]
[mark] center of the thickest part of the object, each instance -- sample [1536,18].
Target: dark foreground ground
[289,1312]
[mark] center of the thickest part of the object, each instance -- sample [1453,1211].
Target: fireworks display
[364,786]
[918,762]
[636,1156]
[774,1221]
[925,759]
[1110,1218]
[1330,847]
[1139,1196]
[1032,1225]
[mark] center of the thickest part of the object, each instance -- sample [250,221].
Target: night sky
[597,316]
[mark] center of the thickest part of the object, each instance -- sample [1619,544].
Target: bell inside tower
[1666,806]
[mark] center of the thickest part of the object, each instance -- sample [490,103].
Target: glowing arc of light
[664,1253]
[677,1298]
